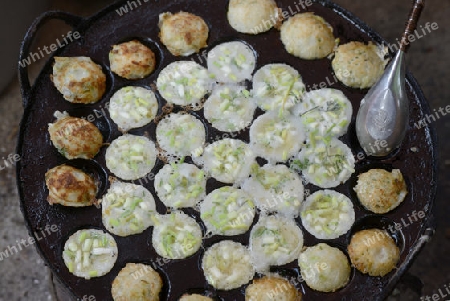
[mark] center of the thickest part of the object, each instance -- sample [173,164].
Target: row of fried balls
[304,35]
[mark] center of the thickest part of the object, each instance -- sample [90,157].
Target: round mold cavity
[166,288]
[67,235]
[168,106]
[196,217]
[93,169]
[96,117]
[101,123]
[147,128]
[216,134]
[163,155]
[149,43]
[145,180]
[382,223]
[202,58]
[360,169]
[292,275]
[363,168]
[211,240]
[109,85]
[316,269]
[310,235]
[208,242]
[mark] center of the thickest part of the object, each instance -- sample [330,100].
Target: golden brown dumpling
[308,36]
[132,60]
[253,17]
[79,79]
[183,33]
[137,282]
[272,288]
[381,191]
[75,137]
[373,252]
[324,268]
[70,186]
[358,65]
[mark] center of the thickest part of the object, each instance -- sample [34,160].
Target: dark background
[23,276]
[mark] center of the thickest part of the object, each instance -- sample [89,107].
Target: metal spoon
[383,115]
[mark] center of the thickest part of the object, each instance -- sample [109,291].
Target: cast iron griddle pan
[416,157]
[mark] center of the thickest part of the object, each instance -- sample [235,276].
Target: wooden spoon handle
[411,24]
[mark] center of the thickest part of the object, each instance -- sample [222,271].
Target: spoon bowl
[383,116]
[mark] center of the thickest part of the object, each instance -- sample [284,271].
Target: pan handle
[70,19]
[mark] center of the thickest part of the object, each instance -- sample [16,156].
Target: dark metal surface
[416,158]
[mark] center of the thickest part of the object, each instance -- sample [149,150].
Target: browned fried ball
[183,33]
[373,252]
[70,186]
[75,137]
[381,191]
[132,60]
[137,282]
[271,288]
[79,79]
